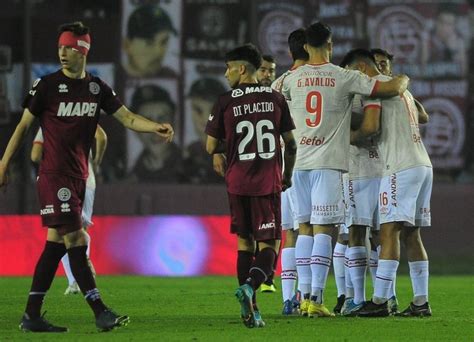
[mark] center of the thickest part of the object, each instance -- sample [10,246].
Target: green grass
[204,309]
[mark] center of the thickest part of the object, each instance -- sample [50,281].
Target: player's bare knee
[246,244]
[290,238]
[357,235]
[306,229]
[75,238]
[273,244]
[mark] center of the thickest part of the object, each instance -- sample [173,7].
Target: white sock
[349,286]
[288,273]
[67,269]
[320,263]
[357,269]
[386,273]
[338,265]
[419,275]
[391,291]
[373,263]
[304,245]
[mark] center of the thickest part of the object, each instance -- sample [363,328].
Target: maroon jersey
[68,110]
[251,119]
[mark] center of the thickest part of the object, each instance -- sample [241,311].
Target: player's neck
[299,62]
[246,78]
[318,56]
[79,74]
[372,72]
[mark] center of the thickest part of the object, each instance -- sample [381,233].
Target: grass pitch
[205,309]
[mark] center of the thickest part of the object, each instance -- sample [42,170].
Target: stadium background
[179,227]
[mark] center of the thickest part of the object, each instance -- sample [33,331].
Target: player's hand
[219,163]
[165,130]
[286,183]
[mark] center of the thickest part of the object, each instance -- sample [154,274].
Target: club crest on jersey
[62,88]
[77,108]
[94,88]
[64,194]
[237,93]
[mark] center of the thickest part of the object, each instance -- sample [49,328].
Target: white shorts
[361,197]
[405,197]
[87,207]
[288,213]
[320,198]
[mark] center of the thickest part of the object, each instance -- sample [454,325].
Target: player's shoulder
[47,79]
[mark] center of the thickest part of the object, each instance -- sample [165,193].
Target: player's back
[252,118]
[400,141]
[320,104]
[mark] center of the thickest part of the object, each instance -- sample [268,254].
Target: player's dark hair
[268,58]
[318,34]
[77,27]
[378,51]
[150,93]
[248,53]
[357,55]
[296,42]
[207,88]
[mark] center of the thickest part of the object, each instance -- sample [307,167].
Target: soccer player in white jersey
[404,203]
[362,188]
[94,163]
[296,42]
[321,95]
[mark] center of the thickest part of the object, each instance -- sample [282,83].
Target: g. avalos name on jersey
[77,108]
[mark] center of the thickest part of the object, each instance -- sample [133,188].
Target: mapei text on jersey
[77,108]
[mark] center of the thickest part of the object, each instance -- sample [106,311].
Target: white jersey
[90,183]
[400,142]
[365,161]
[321,98]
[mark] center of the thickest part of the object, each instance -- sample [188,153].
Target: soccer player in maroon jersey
[68,103]
[246,123]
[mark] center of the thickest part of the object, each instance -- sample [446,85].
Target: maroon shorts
[256,216]
[60,199]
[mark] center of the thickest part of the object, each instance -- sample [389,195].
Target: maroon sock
[83,274]
[244,262]
[43,277]
[262,267]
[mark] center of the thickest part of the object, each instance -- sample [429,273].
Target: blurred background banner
[164,58]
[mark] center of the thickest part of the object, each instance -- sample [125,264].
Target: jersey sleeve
[38,137]
[215,123]
[35,99]
[110,102]
[371,102]
[355,82]
[286,123]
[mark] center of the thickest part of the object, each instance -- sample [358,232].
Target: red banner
[145,245]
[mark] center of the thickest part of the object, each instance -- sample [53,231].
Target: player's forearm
[140,124]
[290,158]
[423,116]
[100,147]
[220,148]
[15,142]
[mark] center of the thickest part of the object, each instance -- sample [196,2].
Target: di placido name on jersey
[250,108]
